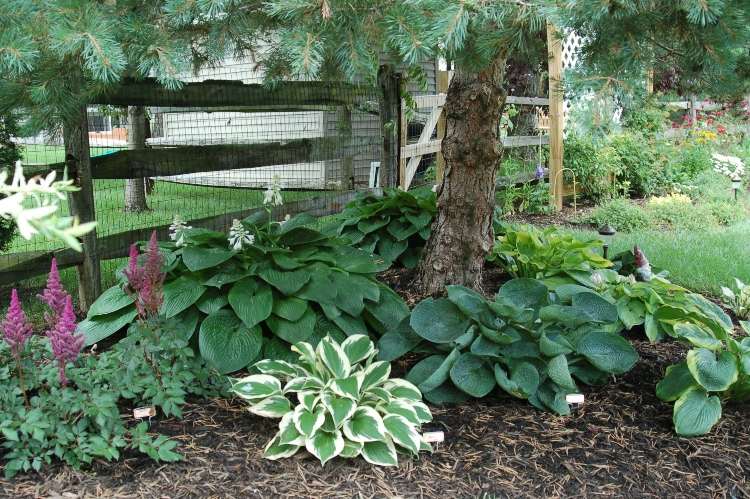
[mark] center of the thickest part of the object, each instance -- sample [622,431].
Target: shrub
[639,171]
[679,212]
[270,285]
[621,214]
[346,404]
[648,117]
[539,254]
[9,154]
[395,226]
[529,197]
[594,167]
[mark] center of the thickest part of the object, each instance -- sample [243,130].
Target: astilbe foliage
[65,342]
[54,295]
[16,327]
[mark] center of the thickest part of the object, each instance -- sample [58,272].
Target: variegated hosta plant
[337,401]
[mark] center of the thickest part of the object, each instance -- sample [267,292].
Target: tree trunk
[135,189]
[462,232]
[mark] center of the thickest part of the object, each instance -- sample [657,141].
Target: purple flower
[54,295]
[539,173]
[66,344]
[16,327]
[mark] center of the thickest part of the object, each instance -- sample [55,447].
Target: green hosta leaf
[380,453]
[111,300]
[551,397]
[351,449]
[715,375]
[276,368]
[554,345]
[340,408]
[186,323]
[595,307]
[100,327]
[293,332]
[523,381]
[358,262]
[390,250]
[420,220]
[348,387]
[697,336]
[631,312]
[695,413]
[402,432]
[483,347]
[275,450]
[472,375]
[653,332]
[334,358]
[308,422]
[397,342]
[400,388]
[676,382]
[433,371]
[287,282]
[365,425]
[558,371]
[446,394]
[524,293]
[609,352]
[211,301]
[290,308]
[257,386]
[228,344]
[401,230]
[352,326]
[357,348]
[565,292]
[438,321]
[275,406]
[324,445]
[197,258]
[372,224]
[180,294]
[390,309]
[252,303]
[467,300]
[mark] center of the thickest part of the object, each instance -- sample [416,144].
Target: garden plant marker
[574,398]
[433,436]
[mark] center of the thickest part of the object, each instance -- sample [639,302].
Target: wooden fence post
[443,81]
[344,128]
[390,112]
[556,114]
[650,81]
[78,162]
[693,110]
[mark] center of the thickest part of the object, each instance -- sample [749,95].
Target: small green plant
[621,214]
[394,226]
[640,168]
[595,167]
[737,299]
[336,400]
[540,254]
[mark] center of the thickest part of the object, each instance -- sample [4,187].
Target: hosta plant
[526,341]
[336,400]
[542,254]
[715,369]
[394,226]
[738,299]
[251,295]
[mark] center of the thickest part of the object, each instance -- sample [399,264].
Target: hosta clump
[336,400]
[716,369]
[738,299]
[287,283]
[542,254]
[394,226]
[531,343]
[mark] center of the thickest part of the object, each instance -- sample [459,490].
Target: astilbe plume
[146,282]
[54,295]
[66,344]
[16,327]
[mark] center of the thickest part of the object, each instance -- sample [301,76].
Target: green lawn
[42,154]
[699,260]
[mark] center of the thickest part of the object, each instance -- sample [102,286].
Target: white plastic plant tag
[433,436]
[574,398]
[144,412]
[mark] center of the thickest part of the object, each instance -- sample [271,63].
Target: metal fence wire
[207,153]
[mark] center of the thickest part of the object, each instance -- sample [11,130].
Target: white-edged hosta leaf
[400,388]
[380,453]
[295,385]
[308,399]
[334,358]
[380,393]
[257,386]
[276,368]
[340,408]
[308,422]
[402,432]
[403,408]
[365,425]
[423,412]
[275,450]
[272,407]
[306,351]
[351,449]
[348,387]
[357,348]
[288,433]
[425,446]
[376,374]
[324,445]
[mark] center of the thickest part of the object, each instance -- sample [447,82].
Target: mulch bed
[619,443]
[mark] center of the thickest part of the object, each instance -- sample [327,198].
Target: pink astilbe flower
[146,281]
[54,295]
[16,327]
[66,344]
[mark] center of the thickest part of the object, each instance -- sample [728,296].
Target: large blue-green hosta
[292,284]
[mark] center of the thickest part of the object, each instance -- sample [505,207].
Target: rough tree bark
[462,231]
[135,189]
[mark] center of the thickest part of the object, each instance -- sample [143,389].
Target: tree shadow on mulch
[620,442]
